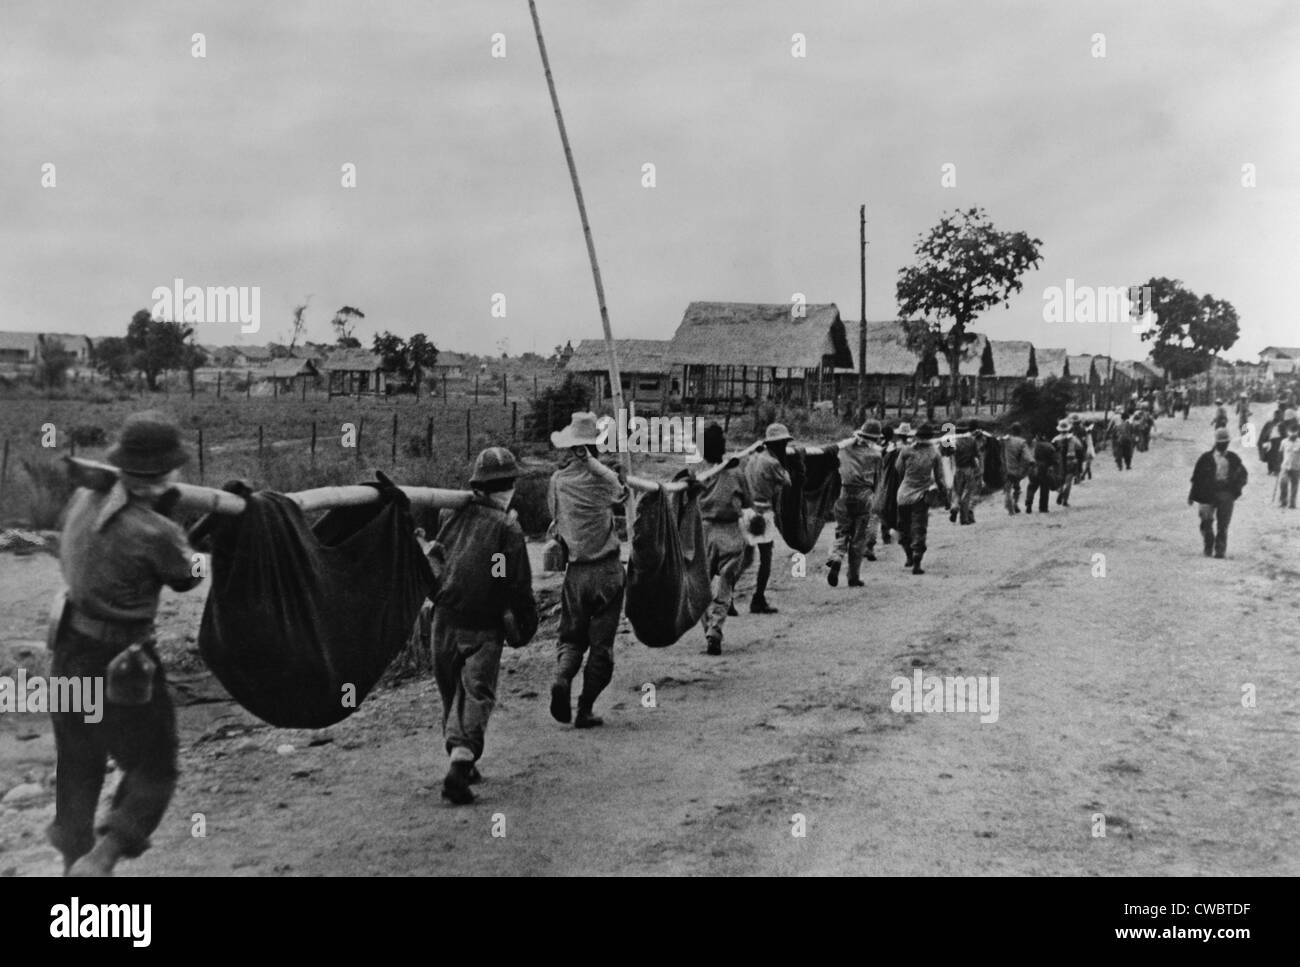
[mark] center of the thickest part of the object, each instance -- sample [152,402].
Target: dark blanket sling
[994,471]
[667,572]
[302,621]
[809,501]
[887,499]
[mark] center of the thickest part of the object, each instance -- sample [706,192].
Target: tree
[156,345]
[279,350]
[112,356]
[54,362]
[963,267]
[1189,331]
[410,357]
[193,356]
[344,323]
[299,323]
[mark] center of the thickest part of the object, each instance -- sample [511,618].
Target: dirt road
[1119,695]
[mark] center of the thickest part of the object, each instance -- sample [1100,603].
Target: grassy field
[231,427]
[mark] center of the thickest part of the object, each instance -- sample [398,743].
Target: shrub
[88,436]
[1038,408]
[554,405]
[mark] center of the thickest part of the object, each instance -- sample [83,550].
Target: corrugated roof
[634,356]
[760,334]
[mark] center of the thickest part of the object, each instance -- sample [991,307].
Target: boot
[916,564]
[561,708]
[855,573]
[731,610]
[758,605]
[952,516]
[455,787]
[833,573]
[910,561]
[714,644]
[585,719]
[870,554]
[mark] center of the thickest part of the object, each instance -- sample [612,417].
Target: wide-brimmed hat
[494,463]
[1218,401]
[1221,435]
[776,433]
[582,431]
[903,429]
[1075,418]
[149,446]
[870,430]
[1062,426]
[925,432]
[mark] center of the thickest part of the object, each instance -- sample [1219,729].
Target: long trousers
[965,491]
[1291,477]
[1219,512]
[590,605]
[855,528]
[466,663]
[140,738]
[913,526]
[725,554]
[1035,487]
[1123,454]
[1011,493]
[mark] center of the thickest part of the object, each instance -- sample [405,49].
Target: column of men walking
[119,547]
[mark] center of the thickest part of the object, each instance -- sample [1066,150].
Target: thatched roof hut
[634,356]
[1052,362]
[1081,370]
[1013,359]
[760,334]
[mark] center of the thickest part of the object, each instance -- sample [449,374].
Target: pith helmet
[494,463]
[776,433]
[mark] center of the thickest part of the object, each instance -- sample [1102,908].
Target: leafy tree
[299,323]
[111,356]
[963,267]
[553,406]
[193,356]
[421,355]
[54,362]
[344,323]
[1039,408]
[156,345]
[1190,330]
[279,350]
[411,358]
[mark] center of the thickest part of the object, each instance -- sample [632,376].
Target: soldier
[919,474]
[855,524]
[1121,434]
[1070,454]
[117,550]
[582,496]
[723,502]
[968,473]
[766,477]
[1017,459]
[484,600]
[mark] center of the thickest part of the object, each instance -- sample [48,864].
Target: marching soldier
[766,477]
[723,501]
[117,550]
[855,524]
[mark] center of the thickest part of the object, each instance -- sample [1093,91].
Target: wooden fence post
[259,441]
[218,384]
[200,454]
[393,457]
[476,389]
[361,425]
[514,421]
[505,386]
[428,438]
[467,443]
[313,443]
[248,386]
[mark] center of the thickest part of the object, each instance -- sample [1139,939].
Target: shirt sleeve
[173,558]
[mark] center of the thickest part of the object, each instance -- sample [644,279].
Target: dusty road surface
[1119,695]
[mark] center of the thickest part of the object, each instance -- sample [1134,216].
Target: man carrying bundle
[766,477]
[723,501]
[117,550]
[582,496]
[855,525]
[1069,454]
[484,600]
[920,475]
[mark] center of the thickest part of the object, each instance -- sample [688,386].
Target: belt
[110,632]
[598,560]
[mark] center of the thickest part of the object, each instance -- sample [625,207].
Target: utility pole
[862,309]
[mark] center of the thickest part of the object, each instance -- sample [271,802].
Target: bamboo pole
[615,382]
[210,500]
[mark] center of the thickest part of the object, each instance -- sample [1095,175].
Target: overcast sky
[226,170]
